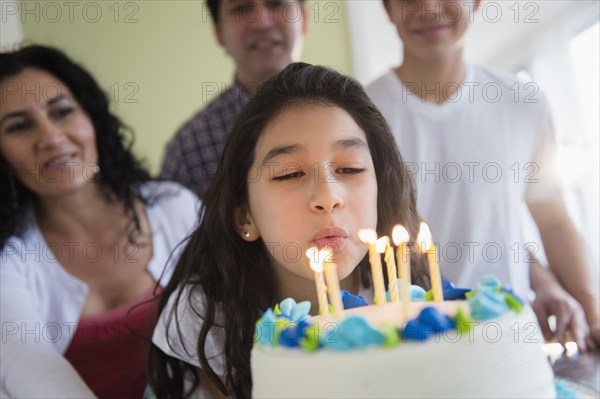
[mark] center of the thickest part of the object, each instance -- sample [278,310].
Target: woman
[84,238]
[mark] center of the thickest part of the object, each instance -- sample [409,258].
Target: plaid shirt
[192,156]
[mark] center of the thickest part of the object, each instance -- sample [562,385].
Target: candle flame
[400,235]
[368,236]
[315,259]
[424,237]
[381,244]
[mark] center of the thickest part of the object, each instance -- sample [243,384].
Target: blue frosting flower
[264,332]
[352,301]
[429,322]
[563,391]
[487,301]
[351,333]
[451,293]
[489,282]
[290,336]
[294,311]
[289,317]
[417,294]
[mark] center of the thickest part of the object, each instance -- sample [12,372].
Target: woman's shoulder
[172,199]
[13,256]
[161,192]
[23,248]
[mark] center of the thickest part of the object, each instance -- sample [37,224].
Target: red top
[109,351]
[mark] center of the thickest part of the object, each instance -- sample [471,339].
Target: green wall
[158,60]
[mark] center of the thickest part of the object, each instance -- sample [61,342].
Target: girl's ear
[245,225]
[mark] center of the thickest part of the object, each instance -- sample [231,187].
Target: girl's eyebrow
[351,143]
[281,150]
[354,142]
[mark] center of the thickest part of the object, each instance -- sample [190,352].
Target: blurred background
[159,63]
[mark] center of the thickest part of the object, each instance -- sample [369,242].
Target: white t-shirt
[476,159]
[177,336]
[41,302]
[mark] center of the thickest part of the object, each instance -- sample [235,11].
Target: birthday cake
[484,344]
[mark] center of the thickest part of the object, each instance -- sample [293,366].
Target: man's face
[431,29]
[262,36]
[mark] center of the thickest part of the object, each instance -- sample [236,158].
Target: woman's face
[45,136]
[313,183]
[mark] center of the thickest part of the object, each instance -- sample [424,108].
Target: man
[262,37]
[480,149]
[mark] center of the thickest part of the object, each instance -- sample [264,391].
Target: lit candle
[333,283]
[383,245]
[316,264]
[427,246]
[369,237]
[400,237]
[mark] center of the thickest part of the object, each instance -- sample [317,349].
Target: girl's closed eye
[350,171]
[288,176]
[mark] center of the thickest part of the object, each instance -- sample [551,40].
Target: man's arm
[567,260]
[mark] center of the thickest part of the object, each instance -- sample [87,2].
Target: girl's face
[312,183]
[45,136]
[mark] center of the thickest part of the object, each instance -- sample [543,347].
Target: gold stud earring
[246,234]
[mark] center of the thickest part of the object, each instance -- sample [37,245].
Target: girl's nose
[326,195]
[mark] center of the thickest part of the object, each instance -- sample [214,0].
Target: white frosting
[498,358]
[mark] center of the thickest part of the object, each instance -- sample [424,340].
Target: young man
[481,146]
[262,37]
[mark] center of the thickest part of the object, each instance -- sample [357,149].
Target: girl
[309,161]
[84,235]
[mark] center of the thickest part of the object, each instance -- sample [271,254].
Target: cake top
[289,323]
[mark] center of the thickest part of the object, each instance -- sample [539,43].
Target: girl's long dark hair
[120,172]
[234,277]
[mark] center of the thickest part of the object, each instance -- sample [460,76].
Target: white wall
[10,26]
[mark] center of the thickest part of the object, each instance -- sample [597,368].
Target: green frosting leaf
[463,322]
[513,303]
[390,334]
[310,340]
[429,295]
